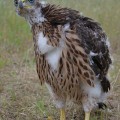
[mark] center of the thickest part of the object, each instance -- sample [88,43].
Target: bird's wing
[76,60]
[96,45]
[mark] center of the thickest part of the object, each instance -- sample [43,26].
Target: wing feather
[94,40]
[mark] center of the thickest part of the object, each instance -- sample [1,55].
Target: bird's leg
[87,115]
[49,118]
[62,114]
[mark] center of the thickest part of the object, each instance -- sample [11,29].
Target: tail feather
[105,84]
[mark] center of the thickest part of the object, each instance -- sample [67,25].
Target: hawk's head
[30,10]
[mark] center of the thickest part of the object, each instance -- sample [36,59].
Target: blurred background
[21,96]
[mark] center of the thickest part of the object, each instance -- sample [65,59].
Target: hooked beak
[22,8]
[20,4]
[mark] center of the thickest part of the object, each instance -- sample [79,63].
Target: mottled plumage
[71,52]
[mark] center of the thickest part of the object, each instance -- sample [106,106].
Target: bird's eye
[16,3]
[31,1]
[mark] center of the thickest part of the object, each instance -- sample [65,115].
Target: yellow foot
[62,116]
[49,118]
[87,116]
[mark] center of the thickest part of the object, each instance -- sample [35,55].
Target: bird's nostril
[21,4]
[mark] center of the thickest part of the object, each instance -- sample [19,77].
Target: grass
[21,96]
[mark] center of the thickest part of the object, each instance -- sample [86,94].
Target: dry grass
[21,96]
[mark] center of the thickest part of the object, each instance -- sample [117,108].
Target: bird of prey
[71,53]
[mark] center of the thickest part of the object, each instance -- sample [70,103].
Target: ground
[21,96]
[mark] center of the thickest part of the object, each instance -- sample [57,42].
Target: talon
[102,106]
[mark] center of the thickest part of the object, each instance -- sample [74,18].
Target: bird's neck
[38,18]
